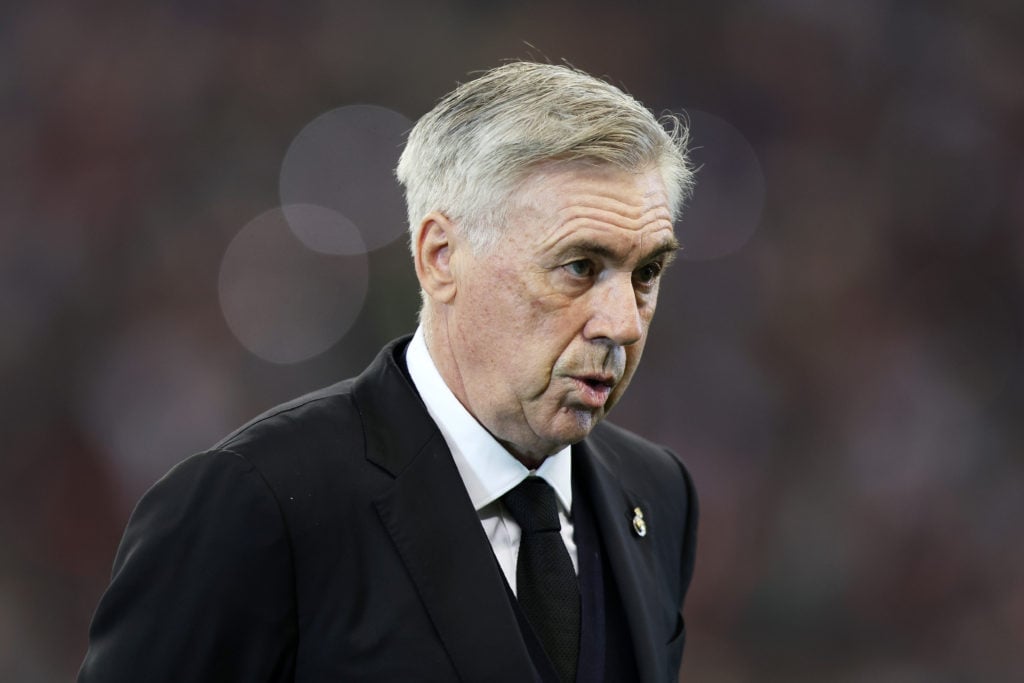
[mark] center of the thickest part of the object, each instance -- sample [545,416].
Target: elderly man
[459,511]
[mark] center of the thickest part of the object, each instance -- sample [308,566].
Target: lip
[594,390]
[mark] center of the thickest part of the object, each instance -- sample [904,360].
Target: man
[458,511]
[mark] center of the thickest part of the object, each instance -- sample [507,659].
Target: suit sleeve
[690,540]
[202,586]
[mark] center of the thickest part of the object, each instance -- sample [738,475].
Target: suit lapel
[628,556]
[432,523]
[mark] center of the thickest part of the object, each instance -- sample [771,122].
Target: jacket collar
[633,566]
[433,525]
[437,532]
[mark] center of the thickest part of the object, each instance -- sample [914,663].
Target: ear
[433,256]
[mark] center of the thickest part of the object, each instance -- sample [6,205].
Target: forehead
[562,204]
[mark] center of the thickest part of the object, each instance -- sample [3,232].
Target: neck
[529,461]
[438,341]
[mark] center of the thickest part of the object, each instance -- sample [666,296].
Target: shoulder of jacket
[329,408]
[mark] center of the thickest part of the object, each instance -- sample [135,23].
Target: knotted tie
[547,588]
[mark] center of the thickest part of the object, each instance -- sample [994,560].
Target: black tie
[546,583]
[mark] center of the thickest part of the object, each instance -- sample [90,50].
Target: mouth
[594,389]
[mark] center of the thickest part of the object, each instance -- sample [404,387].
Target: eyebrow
[666,249]
[591,248]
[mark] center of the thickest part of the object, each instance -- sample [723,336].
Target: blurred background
[197,221]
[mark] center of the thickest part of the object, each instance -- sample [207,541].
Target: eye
[646,275]
[581,268]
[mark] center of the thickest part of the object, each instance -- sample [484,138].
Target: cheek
[494,299]
[505,333]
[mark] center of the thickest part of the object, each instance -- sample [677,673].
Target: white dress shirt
[488,470]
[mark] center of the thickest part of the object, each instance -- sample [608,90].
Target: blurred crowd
[838,355]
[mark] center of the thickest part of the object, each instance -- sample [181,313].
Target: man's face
[547,327]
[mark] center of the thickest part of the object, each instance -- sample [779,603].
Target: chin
[582,423]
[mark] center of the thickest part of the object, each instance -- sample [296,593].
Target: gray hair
[466,157]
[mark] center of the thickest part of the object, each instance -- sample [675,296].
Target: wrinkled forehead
[601,211]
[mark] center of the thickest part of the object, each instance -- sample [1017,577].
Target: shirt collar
[488,470]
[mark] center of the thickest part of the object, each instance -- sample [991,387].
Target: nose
[615,315]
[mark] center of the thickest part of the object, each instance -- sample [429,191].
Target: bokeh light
[344,160]
[725,210]
[284,302]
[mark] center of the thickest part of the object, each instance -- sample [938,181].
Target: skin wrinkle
[581,247]
[519,328]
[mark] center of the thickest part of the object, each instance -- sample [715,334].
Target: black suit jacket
[332,539]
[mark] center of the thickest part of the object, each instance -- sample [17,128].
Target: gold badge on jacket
[639,524]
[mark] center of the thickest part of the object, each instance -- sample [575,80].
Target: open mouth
[594,391]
